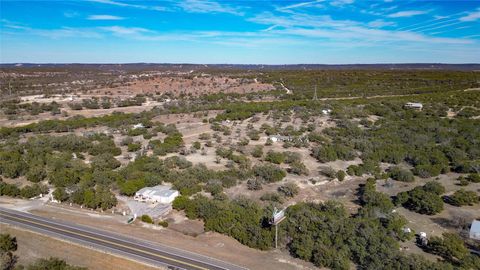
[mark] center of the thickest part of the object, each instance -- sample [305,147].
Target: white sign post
[278,216]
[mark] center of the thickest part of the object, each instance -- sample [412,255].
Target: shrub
[272,197]
[275,157]
[450,247]
[133,147]
[163,223]
[298,168]
[341,175]
[197,145]
[328,172]
[434,187]
[400,174]
[243,142]
[423,200]
[268,142]
[257,151]
[126,141]
[205,136]
[269,172]
[147,219]
[288,190]
[254,135]
[463,197]
[254,184]
[60,194]
[180,202]
[474,177]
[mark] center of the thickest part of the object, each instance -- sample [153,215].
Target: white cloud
[120,30]
[472,16]
[324,27]
[13,25]
[104,18]
[341,3]
[207,6]
[380,23]
[301,4]
[303,20]
[407,13]
[121,4]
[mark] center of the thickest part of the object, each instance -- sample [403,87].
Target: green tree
[450,246]
[60,194]
[399,174]
[8,245]
[269,172]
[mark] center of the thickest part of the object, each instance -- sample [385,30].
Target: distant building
[139,125]
[156,194]
[292,139]
[414,105]
[326,111]
[280,138]
[475,230]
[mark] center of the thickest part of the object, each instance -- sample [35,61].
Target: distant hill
[149,66]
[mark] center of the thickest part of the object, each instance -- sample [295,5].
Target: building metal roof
[163,191]
[475,229]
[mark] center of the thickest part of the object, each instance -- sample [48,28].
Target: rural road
[135,249]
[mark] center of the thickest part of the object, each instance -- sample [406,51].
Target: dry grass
[33,246]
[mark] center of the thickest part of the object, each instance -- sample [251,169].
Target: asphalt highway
[144,251]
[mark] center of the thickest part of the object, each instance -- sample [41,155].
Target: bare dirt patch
[189,85]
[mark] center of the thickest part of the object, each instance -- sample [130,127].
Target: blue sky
[256,32]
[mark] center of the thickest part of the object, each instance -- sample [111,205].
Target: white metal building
[475,230]
[156,194]
[414,105]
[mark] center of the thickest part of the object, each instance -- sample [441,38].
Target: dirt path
[289,92]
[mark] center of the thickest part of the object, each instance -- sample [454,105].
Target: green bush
[163,223]
[424,200]
[463,197]
[400,174]
[147,219]
[341,175]
[289,190]
[269,172]
[133,147]
[275,157]
[257,151]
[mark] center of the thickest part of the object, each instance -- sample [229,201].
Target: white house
[475,230]
[414,105]
[156,194]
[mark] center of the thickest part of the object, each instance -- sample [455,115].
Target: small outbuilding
[156,194]
[475,230]
[414,105]
[280,138]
